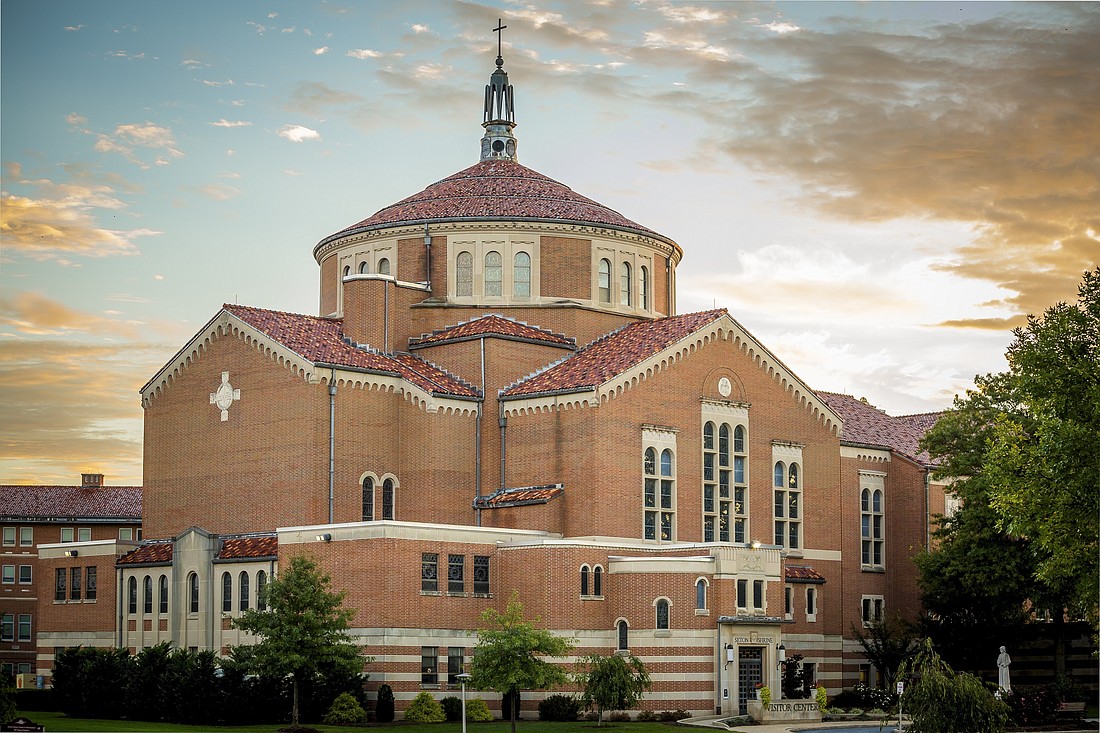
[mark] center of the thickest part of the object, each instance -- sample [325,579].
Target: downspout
[331,444]
[121,617]
[386,339]
[502,420]
[477,435]
[927,527]
[428,251]
[668,286]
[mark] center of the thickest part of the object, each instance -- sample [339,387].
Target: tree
[303,632]
[939,700]
[1023,447]
[612,683]
[509,653]
[887,644]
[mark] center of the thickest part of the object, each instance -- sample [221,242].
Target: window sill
[430,593]
[661,633]
[591,598]
[429,685]
[795,553]
[702,612]
[456,594]
[872,569]
[811,618]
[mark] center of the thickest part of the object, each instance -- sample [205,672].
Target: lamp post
[782,657]
[463,678]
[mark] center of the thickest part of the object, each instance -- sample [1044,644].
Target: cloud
[315,98]
[418,28]
[320,51]
[211,83]
[33,314]
[193,64]
[365,53]
[74,27]
[141,135]
[226,123]
[219,191]
[298,133]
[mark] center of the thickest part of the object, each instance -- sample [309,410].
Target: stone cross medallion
[225,396]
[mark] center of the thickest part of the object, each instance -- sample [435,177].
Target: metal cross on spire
[500,27]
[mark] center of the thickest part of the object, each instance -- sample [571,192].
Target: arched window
[163,599]
[227,592]
[597,581]
[584,580]
[464,275]
[624,284]
[643,287]
[792,474]
[739,439]
[701,594]
[662,614]
[521,275]
[147,595]
[649,469]
[780,474]
[387,498]
[605,281]
[261,591]
[193,590]
[384,266]
[347,270]
[623,634]
[364,267]
[368,499]
[131,594]
[871,527]
[788,506]
[243,583]
[494,274]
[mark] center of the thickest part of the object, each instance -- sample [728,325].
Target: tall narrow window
[368,499]
[387,498]
[227,592]
[494,274]
[623,634]
[659,487]
[147,595]
[456,573]
[193,592]
[624,284]
[521,275]
[131,595]
[649,463]
[61,586]
[597,581]
[584,580]
[872,609]
[871,525]
[604,284]
[481,575]
[347,270]
[788,506]
[24,627]
[242,584]
[662,615]
[724,511]
[788,602]
[455,657]
[758,595]
[162,601]
[464,275]
[811,604]
[700,594]
[643,287]
[364,267]
[742,593]
[668,490]
[90,583]
[75,584]
[429,572]
[261,591]
[383,266]
[429,665]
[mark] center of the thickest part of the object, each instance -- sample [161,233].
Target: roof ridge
[432,364]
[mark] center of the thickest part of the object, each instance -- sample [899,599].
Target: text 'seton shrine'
[496,396]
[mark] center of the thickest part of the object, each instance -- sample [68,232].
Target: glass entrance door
[750,672]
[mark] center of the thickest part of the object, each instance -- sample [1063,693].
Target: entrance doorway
[750,672]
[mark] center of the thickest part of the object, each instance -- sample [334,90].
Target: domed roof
[497,190]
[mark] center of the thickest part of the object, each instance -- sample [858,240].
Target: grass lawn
[58,722]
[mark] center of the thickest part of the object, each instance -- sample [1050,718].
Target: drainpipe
[121,616]
[428,250]
[502,420]
[668,285]
[386,339]
[477,434]
[331,443]
[927,528]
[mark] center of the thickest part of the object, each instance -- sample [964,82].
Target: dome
[496,190]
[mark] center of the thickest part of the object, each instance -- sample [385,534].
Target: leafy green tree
[304,630]
[887,643]
[939,700]
[510,652]
[7,697]
[612,683]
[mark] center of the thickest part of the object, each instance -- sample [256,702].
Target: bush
[477,711]
[671,716]
[452,708]
[647,716]
[592,716]
[619,716]
[1033,705]
[425,709]
[7,697]
[383,710]
[559,708]
[345,710]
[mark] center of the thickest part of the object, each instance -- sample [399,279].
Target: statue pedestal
[781,711]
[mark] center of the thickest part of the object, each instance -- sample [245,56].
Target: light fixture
[729,653]
[326,537]
[782,656]
[756,544]
[71,553]
[463,678]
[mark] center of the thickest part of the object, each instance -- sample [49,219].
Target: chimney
[91,480]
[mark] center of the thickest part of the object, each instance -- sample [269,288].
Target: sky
[879,192]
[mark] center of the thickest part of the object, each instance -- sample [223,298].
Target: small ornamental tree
[304,630]
[939,700]
[510,652]
[612,683]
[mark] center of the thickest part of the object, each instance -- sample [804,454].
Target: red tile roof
[803,574]
[492,325]
[923,421]
[321,341]
[496,190]
[865,424]
[612,354]
[524,496]
[236,548]
[71,502]
[159,553]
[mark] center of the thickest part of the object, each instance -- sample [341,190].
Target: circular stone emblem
[724,387]
[223,398]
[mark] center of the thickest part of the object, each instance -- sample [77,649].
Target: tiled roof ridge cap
[565,358]
[500,316]
[329,319]
[920,414]
[432,379]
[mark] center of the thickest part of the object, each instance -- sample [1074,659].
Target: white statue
[1003,662]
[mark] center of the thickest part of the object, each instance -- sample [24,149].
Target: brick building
[499,396]
[60,545]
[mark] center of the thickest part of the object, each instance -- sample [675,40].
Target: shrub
[477,711]
[346,710]
[619,716]
[383,710]
[647,716]
[671,716]
[559,708]
[1032,705]
[822,699]
[7,697]
[452,708]
[592,716]
[425,709]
